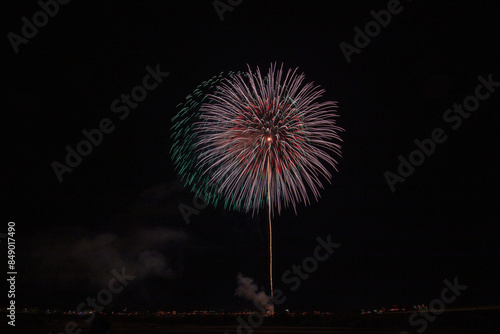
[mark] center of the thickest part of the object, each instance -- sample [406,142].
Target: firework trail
[254,141]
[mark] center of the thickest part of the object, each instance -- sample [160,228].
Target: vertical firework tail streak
[266,136]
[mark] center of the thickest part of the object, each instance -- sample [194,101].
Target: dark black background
[397,248]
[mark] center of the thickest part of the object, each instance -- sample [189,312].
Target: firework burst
[267,139]
[252,140]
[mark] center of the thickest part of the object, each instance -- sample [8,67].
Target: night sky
[119,206]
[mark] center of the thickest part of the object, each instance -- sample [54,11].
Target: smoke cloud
[248,289]
[80,257]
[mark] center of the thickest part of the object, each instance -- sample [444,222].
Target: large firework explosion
[266,137]
[251,140]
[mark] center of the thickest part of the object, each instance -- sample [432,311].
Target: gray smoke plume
[249,290]
[80,256]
